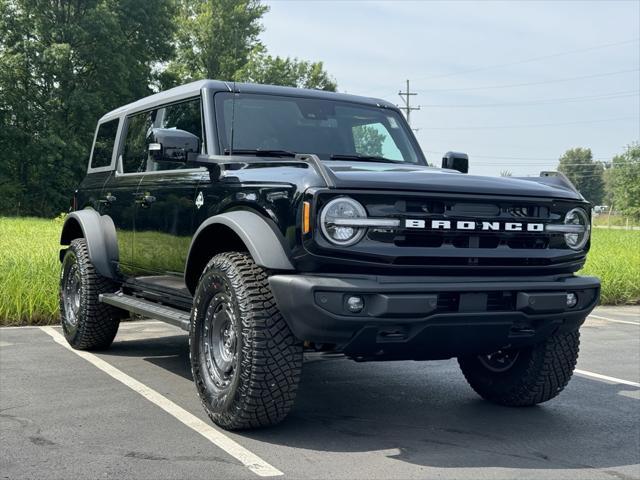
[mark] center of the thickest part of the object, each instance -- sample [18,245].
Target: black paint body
[156,216]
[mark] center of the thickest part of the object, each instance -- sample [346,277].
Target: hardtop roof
[194,88]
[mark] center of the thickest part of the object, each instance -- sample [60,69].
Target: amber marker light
[306,222]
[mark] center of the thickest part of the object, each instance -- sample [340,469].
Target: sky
[512,84]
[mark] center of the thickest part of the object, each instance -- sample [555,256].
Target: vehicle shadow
[424,413]
[168,352]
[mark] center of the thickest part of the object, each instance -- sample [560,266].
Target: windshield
[333,130]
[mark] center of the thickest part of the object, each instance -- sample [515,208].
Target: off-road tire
[538,374]
[96,323]
[262,386]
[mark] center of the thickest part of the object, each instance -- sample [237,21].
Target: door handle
[144,199]
[108,199]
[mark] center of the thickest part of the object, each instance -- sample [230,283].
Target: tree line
[64,63]
[615,183]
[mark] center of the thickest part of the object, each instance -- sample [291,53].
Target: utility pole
[406,98]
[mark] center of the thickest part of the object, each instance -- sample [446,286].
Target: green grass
[29,268]
[615,258]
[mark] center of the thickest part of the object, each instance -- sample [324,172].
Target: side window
[135,155]
[181,116]
[135,152]
[105,140]
[374,139]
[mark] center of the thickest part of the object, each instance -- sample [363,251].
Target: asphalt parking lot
[132,412]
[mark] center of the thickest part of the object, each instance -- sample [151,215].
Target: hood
[385,176]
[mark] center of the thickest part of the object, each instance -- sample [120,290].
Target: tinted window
[135,153]
[182,116]
[321,126]
[105,140]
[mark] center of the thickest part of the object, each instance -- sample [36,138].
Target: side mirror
[173,145]
[456,161]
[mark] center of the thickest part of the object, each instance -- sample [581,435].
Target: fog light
[355,304]
[572,300]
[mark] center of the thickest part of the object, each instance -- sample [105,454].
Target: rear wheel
[87,323]
[245,361]
[526,376]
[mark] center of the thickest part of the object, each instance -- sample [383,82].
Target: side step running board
[176,317]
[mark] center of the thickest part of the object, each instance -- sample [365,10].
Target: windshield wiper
[260,153]
[362,158]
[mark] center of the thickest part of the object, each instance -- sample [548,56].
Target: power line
[533,125]
[597,163]
[575,175]
[511,157]
[406,98]
[531,59]
[543,82]
[549,101]
[517,62]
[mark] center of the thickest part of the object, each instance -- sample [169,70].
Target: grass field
[29,268]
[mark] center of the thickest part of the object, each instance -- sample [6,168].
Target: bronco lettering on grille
[474,225]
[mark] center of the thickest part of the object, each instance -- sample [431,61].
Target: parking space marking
[614,321]
[19,327]
[250,460]
[607,378]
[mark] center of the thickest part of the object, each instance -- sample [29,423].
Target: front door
[166,196]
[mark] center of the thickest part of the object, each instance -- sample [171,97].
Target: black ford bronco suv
[266,220]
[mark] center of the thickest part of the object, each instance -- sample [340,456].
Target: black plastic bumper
[431,317]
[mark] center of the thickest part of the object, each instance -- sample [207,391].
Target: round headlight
[338,212]
[577,217]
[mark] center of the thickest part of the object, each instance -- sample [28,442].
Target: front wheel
[526,376]
[245,361]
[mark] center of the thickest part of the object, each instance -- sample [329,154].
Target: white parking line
[215,436]
[617,311]
[615,321]
[606,378]
[19,327]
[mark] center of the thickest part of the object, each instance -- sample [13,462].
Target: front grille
[481,247]
[468,240]
[495,210]
[472,261]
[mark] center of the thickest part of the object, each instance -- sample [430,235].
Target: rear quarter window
[103,146]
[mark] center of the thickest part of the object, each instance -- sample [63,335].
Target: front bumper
[431,317]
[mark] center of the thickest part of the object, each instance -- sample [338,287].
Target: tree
[220,39]
[291,72]
[625,181]
[65,63]
[62,65]
[368,140]
[586,174]
[215,38]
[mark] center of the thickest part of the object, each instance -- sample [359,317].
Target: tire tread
[548,371]
[272,357]
[98,323]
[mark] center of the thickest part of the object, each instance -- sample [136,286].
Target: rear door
[117,193]
[165,203]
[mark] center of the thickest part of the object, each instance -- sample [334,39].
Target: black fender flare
[264,243]
[100,234]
